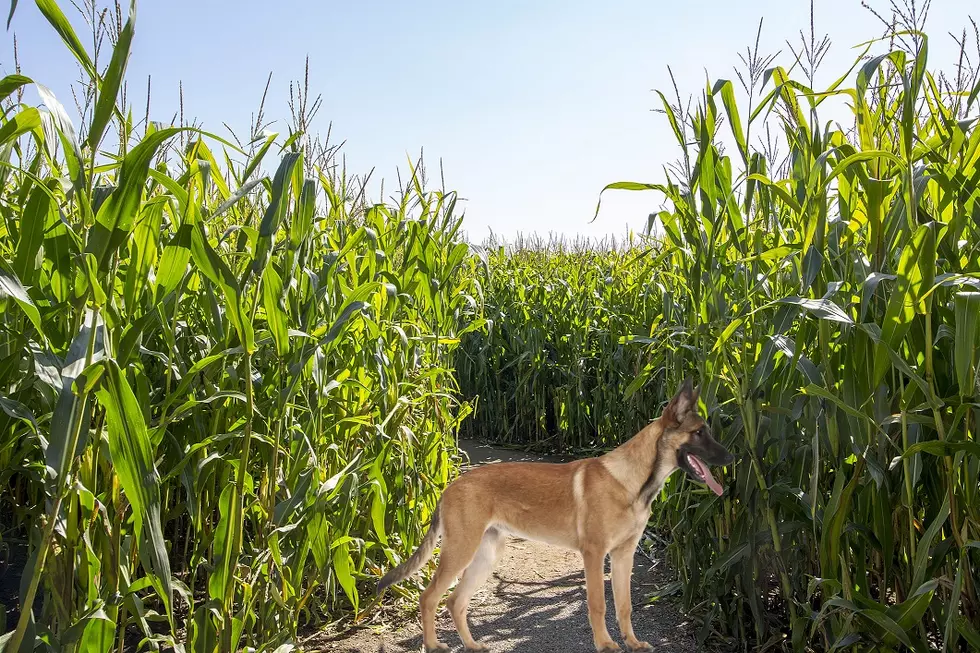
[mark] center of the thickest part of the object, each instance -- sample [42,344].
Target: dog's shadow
[551,616]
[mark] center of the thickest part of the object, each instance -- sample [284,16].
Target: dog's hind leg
[459,544]
[474,576]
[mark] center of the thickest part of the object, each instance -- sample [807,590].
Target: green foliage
[826,302]
[230,398]
[227,397]
[550,368]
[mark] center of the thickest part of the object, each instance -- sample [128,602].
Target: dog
[596,506]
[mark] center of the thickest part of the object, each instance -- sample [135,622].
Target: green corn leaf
[942,448]
[87,280]
[952,610]
[256,160]
[727,91]
[342,567]
[203,633]
[235,197]
[860,157]
[189,405]
[198,367]
[224,561]
[211,265]
[835,516]
[10,16]
[775,187]
[10,286]
[909,612]
[99,634]
[11,83]
[922,552]
[302,223]
[626,185]
[72,411]
[67,136]
[967,320]
[133,462]
[144,253]
[28,119]
[173,262]
[888,625]
[278,205]
[916,271]
[17,410]
[822,308]
[52,12]
[109,90]
[116,217]
[275,315]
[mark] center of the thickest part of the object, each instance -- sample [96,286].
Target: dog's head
[686,437]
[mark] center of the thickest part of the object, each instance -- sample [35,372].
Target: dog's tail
[417,559]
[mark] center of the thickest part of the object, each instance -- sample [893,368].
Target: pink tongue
[706,473]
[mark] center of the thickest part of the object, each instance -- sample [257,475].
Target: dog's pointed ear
[683,403]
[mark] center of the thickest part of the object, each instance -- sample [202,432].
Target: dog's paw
[610,647]
[477,648]
[438,647]
[638,647]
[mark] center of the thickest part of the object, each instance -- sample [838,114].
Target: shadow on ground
[529,613]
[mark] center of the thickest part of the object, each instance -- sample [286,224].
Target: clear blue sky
[532,106]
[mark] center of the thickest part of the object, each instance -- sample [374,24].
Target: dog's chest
[631,524]
[640,513]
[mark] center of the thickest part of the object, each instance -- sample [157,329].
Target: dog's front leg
[595,590]
[621,561]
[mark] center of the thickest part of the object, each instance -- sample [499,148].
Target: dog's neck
[639,464]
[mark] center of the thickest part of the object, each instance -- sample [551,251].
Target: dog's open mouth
[704,474]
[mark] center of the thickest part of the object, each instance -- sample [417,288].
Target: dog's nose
[729,458]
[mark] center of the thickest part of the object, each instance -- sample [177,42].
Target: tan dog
[598,507]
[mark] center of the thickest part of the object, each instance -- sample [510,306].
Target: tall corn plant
[828,307]
[827,301]
[228,396]
[550,368]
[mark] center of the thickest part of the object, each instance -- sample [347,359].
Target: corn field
[827,300]
[232,384]
[227,395]
[550,371]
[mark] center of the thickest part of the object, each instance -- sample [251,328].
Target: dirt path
[535,601]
